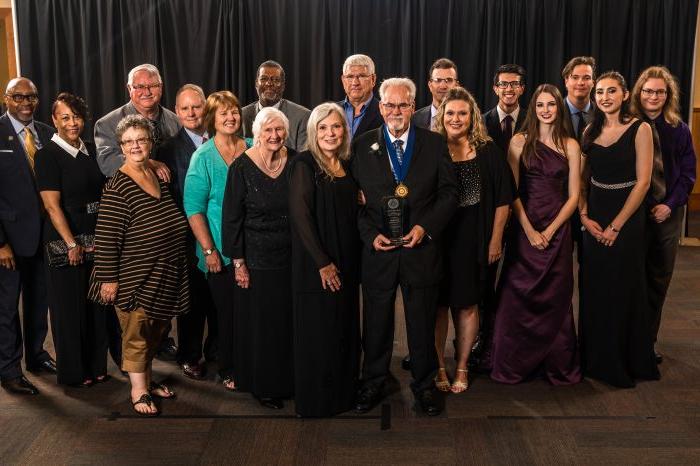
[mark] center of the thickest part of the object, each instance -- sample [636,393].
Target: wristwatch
[208,252]
[71,245]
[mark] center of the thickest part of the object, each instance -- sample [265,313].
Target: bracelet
[612,227]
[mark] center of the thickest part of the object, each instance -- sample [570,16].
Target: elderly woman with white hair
[325,268]
[255,235]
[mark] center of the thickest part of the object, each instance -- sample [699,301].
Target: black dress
[615,328]
[326,324]
[255,226]
[78,324]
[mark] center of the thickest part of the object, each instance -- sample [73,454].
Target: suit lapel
[382,158]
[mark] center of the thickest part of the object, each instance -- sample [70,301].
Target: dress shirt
[514,115]
[404,138]
[20,128]
[354,121]
[679,161]
[573,109]
[433,114]
[73,151]
[197,139]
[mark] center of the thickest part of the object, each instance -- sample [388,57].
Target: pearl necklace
[268,167]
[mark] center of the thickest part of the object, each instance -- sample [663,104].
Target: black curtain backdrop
[88,46]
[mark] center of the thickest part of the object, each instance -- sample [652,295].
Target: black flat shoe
[272,403]
[19,386]
[45,366]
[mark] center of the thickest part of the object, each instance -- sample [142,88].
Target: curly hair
[476,133]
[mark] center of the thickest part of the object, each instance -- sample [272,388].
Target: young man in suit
[176,154]
[402,168]
[269,83]
[22,266]
[360,106]
[443,77]
[506,118]
[579,79]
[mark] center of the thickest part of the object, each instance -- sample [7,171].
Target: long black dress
[78,324]
[323,215]
[255,226]
[615,328]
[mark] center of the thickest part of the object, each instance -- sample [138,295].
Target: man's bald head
[14,81]
[21,99]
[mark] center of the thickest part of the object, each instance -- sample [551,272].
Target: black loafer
[45,366]
[430,402]
[19,386]
[367,398]
[406,363]
[272,403]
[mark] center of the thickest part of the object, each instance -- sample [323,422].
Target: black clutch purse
[57,251]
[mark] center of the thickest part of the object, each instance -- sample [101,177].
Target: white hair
[358,60]
[152,70]
[265,116]
[398,82]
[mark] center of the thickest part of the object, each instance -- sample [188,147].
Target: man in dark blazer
[506,118]
[399,161]
[22,267]
[360,106]
[269,83]
[176,154]
[442,78]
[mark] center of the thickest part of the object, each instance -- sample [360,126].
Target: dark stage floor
[533,423]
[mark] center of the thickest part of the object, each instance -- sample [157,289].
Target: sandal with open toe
[442,383]
[229,384]
[459,386]
[166,393]
[146,400]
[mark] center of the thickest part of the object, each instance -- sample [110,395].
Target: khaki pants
[141,336]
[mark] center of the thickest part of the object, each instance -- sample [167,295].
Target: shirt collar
[259,107]
[573,109]
[197,140]
[73,151]
[403,137]
[346,102]
[501,114]
[19,126]
[433,111]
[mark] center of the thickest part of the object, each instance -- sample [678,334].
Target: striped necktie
[29,146]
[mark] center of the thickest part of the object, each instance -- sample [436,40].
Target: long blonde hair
[319,114]
[671,110]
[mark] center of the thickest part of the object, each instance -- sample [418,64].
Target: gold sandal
[442,383]
[458,386]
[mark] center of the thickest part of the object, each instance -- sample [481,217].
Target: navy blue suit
[20,226]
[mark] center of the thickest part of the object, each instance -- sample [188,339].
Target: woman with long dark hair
[614,322]
[534,331]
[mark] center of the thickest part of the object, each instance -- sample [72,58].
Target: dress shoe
[272,403]
[194,371]
[406,363]
[659,357]
[167,351]
[46,366]
[367,398]
[430,402]
[20,385]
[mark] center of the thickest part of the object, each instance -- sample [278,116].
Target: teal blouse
[204,192]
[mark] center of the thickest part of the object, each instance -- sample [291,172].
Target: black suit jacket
[176,153]
[422,117]
[493,126]
[20,205]
[431,201]
[372,119]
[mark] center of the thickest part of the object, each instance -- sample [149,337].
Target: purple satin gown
[534,331]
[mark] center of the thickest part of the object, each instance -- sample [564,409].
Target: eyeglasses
[271,80]
[443,80]
[402,106]
[19,98]
[139,141]
[360,77]
[506,84]
[143,87]
[651,92]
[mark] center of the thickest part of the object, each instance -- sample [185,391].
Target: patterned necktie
[580,125]
[29,147]
[398,145]
[658,182]
[157,136]
[508,128]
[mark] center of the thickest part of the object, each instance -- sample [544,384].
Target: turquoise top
[204,192]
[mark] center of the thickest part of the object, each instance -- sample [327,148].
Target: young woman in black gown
[614,322]
[325,268]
